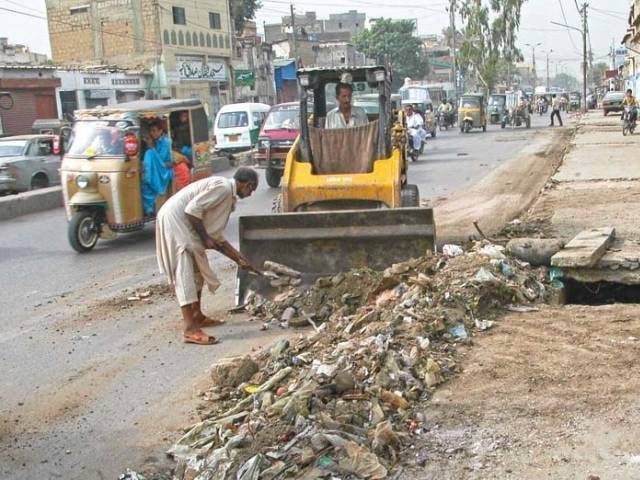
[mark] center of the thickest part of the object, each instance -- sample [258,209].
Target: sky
[607,23]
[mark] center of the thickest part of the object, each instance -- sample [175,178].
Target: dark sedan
[612,102]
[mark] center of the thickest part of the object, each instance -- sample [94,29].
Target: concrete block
[34,201]
[586,249]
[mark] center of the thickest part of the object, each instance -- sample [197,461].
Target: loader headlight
[304,80]
[380,75]
[82,182]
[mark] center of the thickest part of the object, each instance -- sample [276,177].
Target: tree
[596,74]
[394,40]
[243,10]
[489,36]
[566,82]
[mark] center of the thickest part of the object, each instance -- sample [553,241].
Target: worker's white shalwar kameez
[181,254]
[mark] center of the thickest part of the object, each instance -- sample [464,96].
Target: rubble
[347,401]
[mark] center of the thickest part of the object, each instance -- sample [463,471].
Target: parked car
[28,162]
[612,102]
[277,135]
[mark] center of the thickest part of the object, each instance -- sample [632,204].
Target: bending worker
[190,223]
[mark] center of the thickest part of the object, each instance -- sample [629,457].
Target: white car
[28,162]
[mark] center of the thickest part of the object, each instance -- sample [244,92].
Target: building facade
[15,54]
[339,27]
[186,45]
[92,87]
[630,71]
[32,90]
[252,67]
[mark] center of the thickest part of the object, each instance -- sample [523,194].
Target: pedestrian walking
[555,110]
[191,222]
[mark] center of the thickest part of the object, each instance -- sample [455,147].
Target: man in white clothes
[345,115]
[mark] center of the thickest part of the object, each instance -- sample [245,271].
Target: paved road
[93,383]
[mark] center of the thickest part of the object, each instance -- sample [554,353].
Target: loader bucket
[324,243]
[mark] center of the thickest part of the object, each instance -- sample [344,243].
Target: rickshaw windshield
[98,137]
[470,102]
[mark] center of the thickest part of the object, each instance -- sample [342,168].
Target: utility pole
[548,81]
[294,42]
[584,56]
[533,49]
[452,29]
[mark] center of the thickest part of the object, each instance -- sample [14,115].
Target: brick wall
[122,32]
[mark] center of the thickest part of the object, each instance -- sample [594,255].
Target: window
[233,119]
[340,25]
[180,38]
[200,125]
[188,36]
[208,40]
[195,39]
[79,9]
[179,17]
[166,37]
[202,39]
[214,41]
[226,42]
[258,118]
[173,37]
[214,21]
[221,41]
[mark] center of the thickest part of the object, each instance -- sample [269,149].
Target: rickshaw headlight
[82,181]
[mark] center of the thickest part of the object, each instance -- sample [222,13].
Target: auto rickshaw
[472,112]
[101,172]
[574,101]
[497,107]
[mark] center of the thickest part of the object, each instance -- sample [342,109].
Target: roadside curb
[13,206]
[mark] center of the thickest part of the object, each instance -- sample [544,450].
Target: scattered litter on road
[347,401]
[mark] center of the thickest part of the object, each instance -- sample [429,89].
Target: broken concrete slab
[586,249]
[595,275]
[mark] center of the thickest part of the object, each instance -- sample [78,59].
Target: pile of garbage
[347,401]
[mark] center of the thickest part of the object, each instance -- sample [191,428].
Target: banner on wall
[195,68]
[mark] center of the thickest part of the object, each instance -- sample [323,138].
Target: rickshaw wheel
[83,231]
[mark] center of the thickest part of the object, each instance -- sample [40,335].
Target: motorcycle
[412,152]
[445,120]
[541,108]
[628,125]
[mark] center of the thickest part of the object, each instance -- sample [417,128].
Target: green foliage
[596,74]
[566,82]
[394,40]
[243,10]
[489,40]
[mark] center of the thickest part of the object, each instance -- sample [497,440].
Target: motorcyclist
[630,101]
[415,127]
[448,111]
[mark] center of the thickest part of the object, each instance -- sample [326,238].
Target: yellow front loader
[345,201]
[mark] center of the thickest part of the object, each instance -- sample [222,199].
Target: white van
[237,126]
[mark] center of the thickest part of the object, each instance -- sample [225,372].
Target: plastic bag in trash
[452,250]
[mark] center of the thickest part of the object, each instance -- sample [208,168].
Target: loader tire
[276,206]
[273,177]
[410,196]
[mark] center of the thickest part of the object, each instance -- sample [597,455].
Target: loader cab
[371,92]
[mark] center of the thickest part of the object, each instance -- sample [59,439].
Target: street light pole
[547,54]
[583,32]
[533,49]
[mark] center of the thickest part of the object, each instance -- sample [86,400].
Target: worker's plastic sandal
[200,338]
